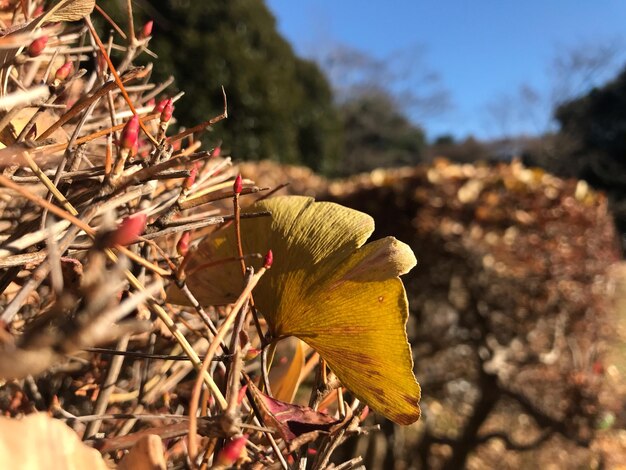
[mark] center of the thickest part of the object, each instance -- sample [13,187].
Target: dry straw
[82,150]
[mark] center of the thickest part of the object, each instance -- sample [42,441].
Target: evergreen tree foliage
[597,122]
[279,106]
[378,135]
[593,130]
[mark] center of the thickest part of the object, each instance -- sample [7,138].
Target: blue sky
[484,51]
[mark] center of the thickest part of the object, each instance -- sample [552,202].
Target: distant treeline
[282,107]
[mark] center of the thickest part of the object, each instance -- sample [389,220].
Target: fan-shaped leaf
[344,300]
[69,10]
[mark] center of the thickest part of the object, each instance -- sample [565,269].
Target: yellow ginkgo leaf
[342,298]
[285,377]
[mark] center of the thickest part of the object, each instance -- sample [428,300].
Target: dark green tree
[377,134]
[597,122]
[279,106]
[468,150]
[594,126]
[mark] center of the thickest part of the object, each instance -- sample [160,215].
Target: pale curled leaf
[39,441]
[146,454]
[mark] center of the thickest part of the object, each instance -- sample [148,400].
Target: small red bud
[151,102]
[238,185]
[37,46]
[182,247]
[160,106]
[232,451]
[191,179]
[130,133]
[268,260]
[64,71]
[37,11]
[146,30]
[216,152]
[168,109]
[129,229]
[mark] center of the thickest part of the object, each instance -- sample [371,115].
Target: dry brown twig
[72,278]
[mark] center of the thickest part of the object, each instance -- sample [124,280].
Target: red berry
[182,247]
[64,71]
[231,452]
[160,106]
[238,185]
[146,30]
[130,133]
[129,229]
[168,109]
[37,46]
